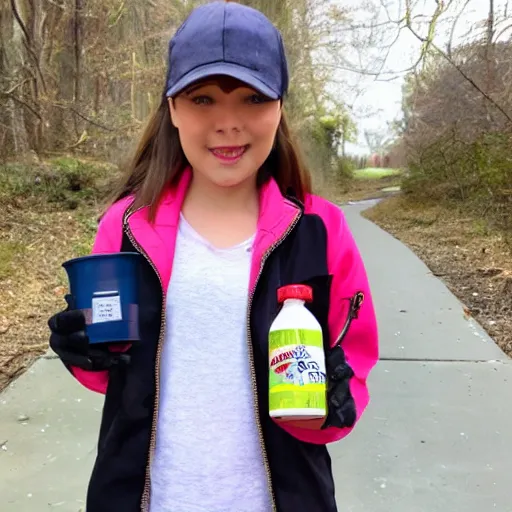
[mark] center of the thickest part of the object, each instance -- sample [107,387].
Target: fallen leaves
[60,291]
[36,284]
[476,266]
[4,325]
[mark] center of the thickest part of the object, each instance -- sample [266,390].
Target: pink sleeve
[360,344]
[108,239]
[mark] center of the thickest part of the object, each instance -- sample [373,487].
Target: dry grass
[35,239]
[46,223]
[474,260]
[360,189]
[32,282]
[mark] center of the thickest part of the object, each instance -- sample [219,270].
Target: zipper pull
[355,304]
[356,301]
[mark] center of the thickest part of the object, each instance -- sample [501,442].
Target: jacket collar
[276,218]
[158,239]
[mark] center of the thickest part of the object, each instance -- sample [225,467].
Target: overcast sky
[380,101]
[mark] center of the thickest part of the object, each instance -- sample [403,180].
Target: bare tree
[82,76]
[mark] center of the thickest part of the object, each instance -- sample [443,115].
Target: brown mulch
[362,189]
[476,264]
[33,245]
[473,260]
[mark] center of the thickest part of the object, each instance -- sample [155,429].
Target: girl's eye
[202,100]
[257,99]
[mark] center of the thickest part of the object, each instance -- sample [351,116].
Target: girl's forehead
[226,83]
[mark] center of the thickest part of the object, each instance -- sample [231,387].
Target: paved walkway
[437,432]
[436,437]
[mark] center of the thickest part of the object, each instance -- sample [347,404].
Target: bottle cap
[295,291]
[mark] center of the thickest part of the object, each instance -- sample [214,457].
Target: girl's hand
[70,342]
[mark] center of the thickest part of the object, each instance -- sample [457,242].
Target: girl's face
[226,129]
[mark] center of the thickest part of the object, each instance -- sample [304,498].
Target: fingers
[93,360]
[342,372]
[124,358]
[76,342]
[79,342]
[74,359]
[341,405]
[103,359]
[70,301]
[70,342]
[67,322]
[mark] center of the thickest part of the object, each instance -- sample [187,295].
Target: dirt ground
[33,245]
[474,261]
[360,189]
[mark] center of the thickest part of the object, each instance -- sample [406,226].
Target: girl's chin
[230,178]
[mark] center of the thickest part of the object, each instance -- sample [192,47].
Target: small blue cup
[106,288]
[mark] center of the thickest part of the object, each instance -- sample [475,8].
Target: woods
[81,76]
[78,74]
[456,133]
[78,81]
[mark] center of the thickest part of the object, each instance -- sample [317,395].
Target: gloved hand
[340,403]
[70,342]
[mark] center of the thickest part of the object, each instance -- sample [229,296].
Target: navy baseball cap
[225,38]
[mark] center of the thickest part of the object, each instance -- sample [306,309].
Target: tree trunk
[489,62]
[77,85]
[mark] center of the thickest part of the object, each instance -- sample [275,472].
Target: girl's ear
[172,112]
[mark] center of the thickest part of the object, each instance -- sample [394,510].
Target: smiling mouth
[229,153]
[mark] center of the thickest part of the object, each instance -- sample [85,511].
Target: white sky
[380,100]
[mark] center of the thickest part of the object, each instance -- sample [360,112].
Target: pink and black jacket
[295,243]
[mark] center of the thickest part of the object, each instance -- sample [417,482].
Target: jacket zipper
[147,483]
[356,301]
[144,505]
[267,253]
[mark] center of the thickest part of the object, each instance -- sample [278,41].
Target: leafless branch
[85,118]
[28,42]
[454,24]
[21,102]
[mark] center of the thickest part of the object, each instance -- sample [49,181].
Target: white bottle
[297,380]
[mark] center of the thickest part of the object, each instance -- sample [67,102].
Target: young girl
[218,203]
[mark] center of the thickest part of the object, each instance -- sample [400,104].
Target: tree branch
[28,42]
[429,43]
[452,32]
[90,121]
[21,102]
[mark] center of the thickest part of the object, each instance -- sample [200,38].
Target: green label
[296,370]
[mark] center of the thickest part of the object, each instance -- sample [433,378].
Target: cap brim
[222,68]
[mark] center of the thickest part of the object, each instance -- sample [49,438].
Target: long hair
[159,162]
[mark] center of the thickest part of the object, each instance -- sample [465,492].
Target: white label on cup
[106,309]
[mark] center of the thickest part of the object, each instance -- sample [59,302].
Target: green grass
[88,222]
[62,182]
[375,173]
[8,252]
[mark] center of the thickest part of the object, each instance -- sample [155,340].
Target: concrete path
[436,436]
[437,432]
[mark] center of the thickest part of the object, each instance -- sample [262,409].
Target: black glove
[340,403]
[70,342]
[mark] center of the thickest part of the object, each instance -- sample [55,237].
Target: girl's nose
[228,121]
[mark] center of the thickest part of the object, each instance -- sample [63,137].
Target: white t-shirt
[208,455]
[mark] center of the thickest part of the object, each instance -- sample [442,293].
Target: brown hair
[159,162]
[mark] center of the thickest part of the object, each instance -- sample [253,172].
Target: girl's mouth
[229,154]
